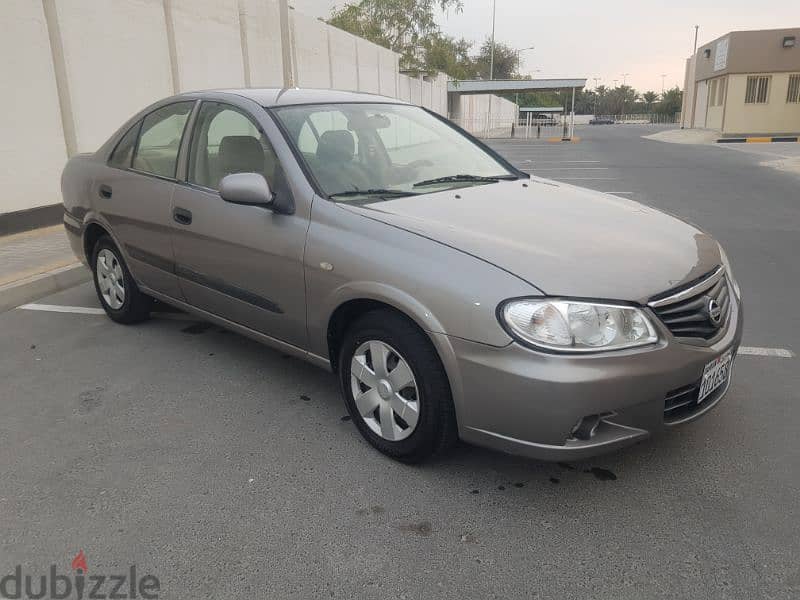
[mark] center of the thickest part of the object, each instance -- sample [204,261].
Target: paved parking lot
[228,470]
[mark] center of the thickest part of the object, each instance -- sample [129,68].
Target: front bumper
[525,402]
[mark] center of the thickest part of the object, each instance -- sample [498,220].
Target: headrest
[337,144]
[241,154]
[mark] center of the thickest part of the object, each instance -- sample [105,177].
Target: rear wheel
[395,387]
[116,289]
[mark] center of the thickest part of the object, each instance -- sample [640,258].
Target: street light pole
[491,59]
[663,75]
[596,97]
[696,29]
[624,81]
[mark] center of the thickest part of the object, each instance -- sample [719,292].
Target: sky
[605,39]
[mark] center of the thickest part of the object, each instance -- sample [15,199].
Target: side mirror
[250,189]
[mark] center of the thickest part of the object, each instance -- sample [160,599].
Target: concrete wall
[775,116]
[261,40]
[74,70]
[483,114]
[32,148]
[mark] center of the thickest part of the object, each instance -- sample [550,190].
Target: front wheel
[116,289]
[395,387]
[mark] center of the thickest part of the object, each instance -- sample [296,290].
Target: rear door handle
[182,216]
[105,191]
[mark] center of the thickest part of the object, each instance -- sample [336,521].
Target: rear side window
[122,155]
[160,139]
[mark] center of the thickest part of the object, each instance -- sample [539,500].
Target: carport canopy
[501,86]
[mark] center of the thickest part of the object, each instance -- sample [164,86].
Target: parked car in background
[601,121]
[540,119]
[452,294]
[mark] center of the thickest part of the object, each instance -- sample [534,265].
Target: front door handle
[104,191]
[182,216]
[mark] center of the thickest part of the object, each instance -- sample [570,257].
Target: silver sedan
[453,295]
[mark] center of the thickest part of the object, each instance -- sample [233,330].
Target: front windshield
[381,151]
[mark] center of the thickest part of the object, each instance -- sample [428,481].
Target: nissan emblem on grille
[714,311]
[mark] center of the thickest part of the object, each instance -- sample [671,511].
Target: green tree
[448,55]
[649,99]
[506,61]
[403,26]
[670,102]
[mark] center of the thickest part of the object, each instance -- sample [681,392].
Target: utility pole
[491,59]
[696,29]
[624,77]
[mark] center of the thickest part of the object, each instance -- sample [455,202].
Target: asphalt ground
[226,469]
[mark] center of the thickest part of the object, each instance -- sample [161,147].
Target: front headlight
[575,326]
[727,264]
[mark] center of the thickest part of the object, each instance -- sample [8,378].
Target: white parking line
[84,310]
[570,168]
[81,310]
[772,352]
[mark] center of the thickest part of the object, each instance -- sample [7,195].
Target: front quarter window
[382,151]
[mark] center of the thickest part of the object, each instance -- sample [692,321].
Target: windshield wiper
[465,178]
[373,192]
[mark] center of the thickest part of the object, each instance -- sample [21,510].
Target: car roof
[272,97]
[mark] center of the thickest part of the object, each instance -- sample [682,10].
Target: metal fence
[487,128]
[643,119]
[526,127]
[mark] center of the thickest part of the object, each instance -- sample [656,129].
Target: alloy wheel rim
[110,279]
[385,390]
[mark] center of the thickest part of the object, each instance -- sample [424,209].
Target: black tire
[436,429]
[136,305]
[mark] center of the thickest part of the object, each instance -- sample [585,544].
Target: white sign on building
[721,55]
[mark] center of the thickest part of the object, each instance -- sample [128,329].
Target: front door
[243,263]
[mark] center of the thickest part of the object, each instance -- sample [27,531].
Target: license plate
[715,374]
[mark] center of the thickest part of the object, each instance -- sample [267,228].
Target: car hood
[562,239]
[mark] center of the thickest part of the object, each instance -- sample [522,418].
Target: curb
[574,139]
[758,140]
[31,288]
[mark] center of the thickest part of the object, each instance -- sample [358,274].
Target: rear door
[243,263]
[134,195]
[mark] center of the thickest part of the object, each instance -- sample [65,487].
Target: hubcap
[385,390]
[110,279]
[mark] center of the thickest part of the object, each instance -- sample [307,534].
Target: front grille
[681,403]
[688,313]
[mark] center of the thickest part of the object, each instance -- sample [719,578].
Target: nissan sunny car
[454,295]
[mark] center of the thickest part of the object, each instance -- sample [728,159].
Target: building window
[757,89]
[712,93]
[721,91]
[793,95]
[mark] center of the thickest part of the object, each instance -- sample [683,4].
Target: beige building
[745,83]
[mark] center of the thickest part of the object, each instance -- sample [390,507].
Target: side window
[160,139]
[122,155]
[227,141]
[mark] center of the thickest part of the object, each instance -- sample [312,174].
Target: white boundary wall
[484,115]
[74,70]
